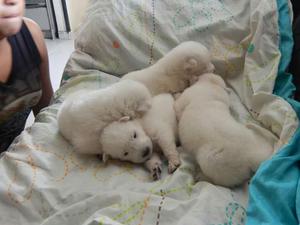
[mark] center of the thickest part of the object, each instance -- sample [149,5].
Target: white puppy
[160,124]
[178,69]
[132,140]
[125,140]
[83,116]
[227,151]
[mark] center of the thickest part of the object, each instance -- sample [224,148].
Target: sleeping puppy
[227,151]
[177,70]
[133,140]
[160,125]
[125,140]
[83,116]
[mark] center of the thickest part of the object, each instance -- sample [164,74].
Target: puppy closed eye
[134,135]
[125,153]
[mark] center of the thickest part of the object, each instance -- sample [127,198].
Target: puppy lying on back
[82,117]
[227,151]
[174,72]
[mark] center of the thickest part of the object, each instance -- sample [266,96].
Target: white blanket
[43,181]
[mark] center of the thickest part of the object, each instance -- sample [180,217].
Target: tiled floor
[59,52]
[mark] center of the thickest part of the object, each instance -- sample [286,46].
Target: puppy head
[215,87]
[197,65]
[196,58]
[134,98]
[214,79]
[126,140]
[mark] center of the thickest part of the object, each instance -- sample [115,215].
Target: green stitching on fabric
[235,214]
[209,10]
[66,76]
[251,48]
[234,207]
[189,188]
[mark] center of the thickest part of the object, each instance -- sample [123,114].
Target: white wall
[76,10]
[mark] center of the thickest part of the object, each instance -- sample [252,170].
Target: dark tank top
[22,91]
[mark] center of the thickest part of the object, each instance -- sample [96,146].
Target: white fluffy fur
[135,137]
[176,70]
[83,116]
[227,151]
[126,140]
[160,124]
[121,122]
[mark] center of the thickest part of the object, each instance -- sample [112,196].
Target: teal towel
[274,193]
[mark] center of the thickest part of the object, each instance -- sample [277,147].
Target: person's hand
[11,13]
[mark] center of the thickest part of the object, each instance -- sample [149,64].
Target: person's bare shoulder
[37,36]
[47,91]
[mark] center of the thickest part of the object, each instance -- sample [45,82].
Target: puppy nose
[146,152]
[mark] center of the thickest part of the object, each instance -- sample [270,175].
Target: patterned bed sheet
[43,181]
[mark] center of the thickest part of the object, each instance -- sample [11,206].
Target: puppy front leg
[154,166]
[167,143]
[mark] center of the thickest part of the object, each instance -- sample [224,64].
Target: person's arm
[47,91]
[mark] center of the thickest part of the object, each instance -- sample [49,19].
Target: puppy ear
[105,157]
[190,65]
[210,68]
[124,119]
[144,107]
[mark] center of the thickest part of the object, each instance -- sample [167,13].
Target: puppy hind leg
[209,159]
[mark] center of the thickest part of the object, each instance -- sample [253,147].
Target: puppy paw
[156,172]
[174,163]
[154,165]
